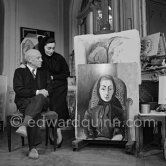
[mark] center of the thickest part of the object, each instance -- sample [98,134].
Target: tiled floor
[91,155]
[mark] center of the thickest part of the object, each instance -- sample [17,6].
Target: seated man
[32,86]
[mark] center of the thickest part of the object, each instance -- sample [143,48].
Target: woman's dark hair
[43,41]
[106,77]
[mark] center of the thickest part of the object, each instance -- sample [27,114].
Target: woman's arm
[64,70]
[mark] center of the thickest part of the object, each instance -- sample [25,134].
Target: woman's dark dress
[58,68]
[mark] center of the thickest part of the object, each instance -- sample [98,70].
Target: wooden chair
[48,116]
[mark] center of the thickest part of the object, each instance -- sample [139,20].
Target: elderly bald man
[32,86]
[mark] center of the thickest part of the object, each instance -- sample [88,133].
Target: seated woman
[105,115]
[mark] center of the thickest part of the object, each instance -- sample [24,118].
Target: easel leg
[165,149]
[130,147]
[138,136]
[78,144]
[164,139]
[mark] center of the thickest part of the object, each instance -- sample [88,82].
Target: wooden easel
[79,143]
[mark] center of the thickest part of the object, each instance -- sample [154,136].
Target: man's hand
[43,92]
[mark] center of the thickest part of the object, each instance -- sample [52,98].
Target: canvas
[153,45]
[102,94]
[120,47]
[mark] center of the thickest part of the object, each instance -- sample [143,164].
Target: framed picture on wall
[29,38]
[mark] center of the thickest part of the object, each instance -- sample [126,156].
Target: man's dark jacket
[25,85]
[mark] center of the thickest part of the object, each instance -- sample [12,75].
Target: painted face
[49,49]
[36,59]
[106,90]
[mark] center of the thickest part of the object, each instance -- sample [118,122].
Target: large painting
[102,93]
[121,47]
[29,38]
[153,45]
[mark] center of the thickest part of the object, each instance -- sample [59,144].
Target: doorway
[156,12]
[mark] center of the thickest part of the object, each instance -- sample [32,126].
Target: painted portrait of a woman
[105,114]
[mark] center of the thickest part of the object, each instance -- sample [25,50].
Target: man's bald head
[33,58]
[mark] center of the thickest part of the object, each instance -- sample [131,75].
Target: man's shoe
[33,154]
[22,131]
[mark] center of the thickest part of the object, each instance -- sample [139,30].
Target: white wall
[41,14]
[130,12]
[38,14]
[73,29]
